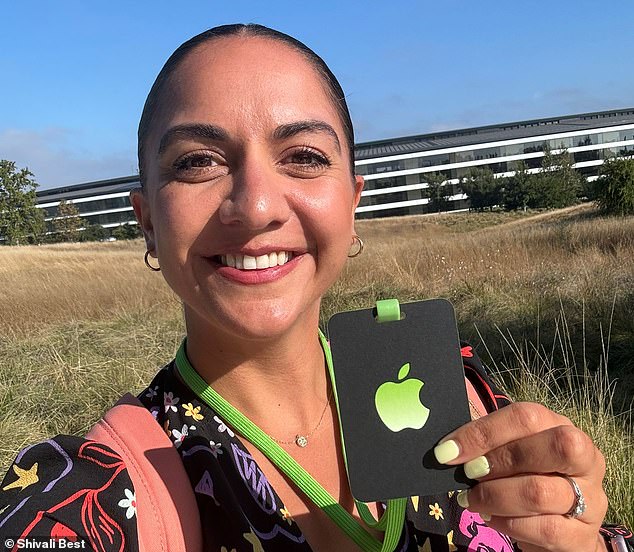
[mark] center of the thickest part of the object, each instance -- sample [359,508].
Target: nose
[257,199]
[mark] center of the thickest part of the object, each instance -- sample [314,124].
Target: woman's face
[249,200]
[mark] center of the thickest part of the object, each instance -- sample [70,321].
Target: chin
[271,322]
[260,321]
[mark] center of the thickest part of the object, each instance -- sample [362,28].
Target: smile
[247,262]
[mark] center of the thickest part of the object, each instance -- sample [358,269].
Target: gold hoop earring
[356,239]
[147,262]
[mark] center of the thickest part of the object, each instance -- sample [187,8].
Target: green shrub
[614,189]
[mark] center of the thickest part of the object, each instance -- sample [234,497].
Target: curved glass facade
[396,184]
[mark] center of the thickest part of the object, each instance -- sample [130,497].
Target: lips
[256,269]
[260,262]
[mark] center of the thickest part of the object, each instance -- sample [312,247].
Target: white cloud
[51,157]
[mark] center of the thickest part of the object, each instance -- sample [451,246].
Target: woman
[247,204]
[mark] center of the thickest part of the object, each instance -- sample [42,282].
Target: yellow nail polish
[485,517]
[477,468]
[463,499]
[446,452]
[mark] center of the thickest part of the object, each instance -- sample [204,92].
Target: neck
[280,383]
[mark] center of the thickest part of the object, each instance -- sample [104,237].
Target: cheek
[330,220]
[330,203]
[181,217]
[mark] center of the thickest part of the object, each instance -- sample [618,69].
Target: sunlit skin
[245,156]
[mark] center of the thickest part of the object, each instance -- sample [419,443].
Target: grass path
[557,214]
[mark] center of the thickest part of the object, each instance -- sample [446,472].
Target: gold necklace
[301,439]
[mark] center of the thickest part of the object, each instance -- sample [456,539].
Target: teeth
[247,262]
[262,261]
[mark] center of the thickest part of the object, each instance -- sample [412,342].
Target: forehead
[247,85]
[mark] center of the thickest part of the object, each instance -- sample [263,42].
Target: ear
[358,188]
[141,207]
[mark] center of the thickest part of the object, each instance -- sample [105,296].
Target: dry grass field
[547,299]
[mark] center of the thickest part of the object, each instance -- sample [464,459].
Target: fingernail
[485,517]
[463,499]
[446,452]
[477,468]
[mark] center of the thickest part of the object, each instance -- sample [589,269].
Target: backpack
[167,513]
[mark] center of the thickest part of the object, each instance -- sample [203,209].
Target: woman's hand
[520,455]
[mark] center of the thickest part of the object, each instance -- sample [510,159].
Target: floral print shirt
[68,488]
[78,489]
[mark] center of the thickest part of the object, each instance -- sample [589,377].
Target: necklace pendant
[301,441]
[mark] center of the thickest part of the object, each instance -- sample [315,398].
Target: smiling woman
[245,176]
[247,205]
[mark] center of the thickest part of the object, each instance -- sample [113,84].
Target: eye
[195,161]
[306,159]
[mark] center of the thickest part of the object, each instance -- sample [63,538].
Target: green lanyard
[392,520]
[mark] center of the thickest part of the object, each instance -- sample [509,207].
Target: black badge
[400,388]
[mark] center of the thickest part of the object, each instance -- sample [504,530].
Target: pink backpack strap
[167,513]
[475,401]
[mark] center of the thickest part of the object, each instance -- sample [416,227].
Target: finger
[526,547]
[562,449]
[549,532]
[480,436]
[533,495]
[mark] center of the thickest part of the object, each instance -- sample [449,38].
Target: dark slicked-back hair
[249,30]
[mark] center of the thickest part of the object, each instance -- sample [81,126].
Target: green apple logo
[398,404]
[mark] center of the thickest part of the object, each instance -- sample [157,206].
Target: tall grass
[82,323]
[583,393]
[514,276]
[41,286]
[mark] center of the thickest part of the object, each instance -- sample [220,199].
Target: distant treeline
[557,184]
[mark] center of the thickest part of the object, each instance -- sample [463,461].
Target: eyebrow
[289,130]
[192,132]
[197,131]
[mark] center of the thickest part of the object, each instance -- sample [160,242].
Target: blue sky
[75,74]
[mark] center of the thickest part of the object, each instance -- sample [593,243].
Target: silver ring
[579,505]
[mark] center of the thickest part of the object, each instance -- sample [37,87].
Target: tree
[614,189]
[126,231]
[67,224]
[92,232]
[482,188]
[20,219]
[519,189]
[437,192]
[558,184]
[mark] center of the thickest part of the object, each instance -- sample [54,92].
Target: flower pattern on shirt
[216,448]
[436,511]
[129,503]
[223,427]
[179,436]
[170,401]
[193,411]
[286,515]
